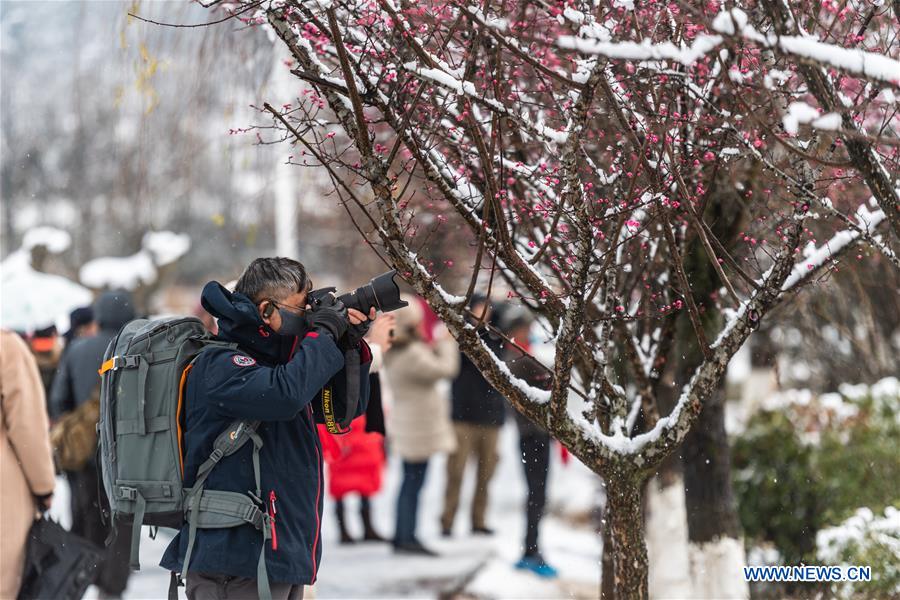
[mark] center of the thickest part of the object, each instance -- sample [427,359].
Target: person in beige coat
[26,460]
[419,425]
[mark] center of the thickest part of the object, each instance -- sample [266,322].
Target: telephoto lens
[381,292]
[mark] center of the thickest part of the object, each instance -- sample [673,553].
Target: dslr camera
[381,292]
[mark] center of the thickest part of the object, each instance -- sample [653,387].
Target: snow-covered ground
[469,567]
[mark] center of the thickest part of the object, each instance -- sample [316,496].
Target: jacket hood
[113,309]
[239,322]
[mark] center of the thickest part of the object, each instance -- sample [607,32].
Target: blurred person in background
[26,462]
[47,348]
[419,424]
[430,320]
[75,390]
[534,441]
[81,325]
[478,413]
[77,375]
[356,459]
[381,338]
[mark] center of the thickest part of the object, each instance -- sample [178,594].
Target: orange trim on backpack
[181,387]
[107,366]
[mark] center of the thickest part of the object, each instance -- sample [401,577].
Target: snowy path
[468,566]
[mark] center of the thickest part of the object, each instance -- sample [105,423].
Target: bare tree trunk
[607,587]
[714,530]
[625,521]
[711,508]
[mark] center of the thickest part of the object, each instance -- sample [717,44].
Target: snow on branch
[733,23]
[801,113]
[644,51]
[160,249]
[870,65]
[833,247]
[466,88]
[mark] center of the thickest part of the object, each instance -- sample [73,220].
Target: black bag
[58,563]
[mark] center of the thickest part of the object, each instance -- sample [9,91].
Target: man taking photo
[286,354]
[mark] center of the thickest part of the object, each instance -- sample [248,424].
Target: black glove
[332,317]
[354,334]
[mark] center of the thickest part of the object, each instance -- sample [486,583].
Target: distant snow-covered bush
[865,539]
[812,415]
[159,249]
[807,462]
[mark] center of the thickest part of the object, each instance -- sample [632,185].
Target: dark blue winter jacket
[277,380]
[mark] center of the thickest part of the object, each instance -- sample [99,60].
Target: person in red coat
[356,459]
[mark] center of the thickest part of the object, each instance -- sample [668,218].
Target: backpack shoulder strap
[227,443]
[228,504]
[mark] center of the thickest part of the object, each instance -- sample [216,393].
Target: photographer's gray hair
[274,278]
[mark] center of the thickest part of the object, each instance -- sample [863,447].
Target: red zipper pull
[272,513]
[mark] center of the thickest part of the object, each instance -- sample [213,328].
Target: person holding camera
[289,348]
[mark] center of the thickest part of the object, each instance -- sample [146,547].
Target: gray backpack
[142,394]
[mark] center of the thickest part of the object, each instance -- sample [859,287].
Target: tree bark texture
[711,507]
[607,586]
[625,520]
[706,457]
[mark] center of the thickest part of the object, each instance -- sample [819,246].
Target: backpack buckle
[216,455]
[254,516]
[129,361]
[128,493]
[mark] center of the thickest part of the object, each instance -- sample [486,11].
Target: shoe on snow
[537,566]
[414,548]
[373,536]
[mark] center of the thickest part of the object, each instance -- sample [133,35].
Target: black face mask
[293,324]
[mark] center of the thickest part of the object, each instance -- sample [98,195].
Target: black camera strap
[341,425]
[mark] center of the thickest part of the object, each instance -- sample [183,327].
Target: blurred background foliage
[807,463]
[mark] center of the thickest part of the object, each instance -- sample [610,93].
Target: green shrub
[778,498]
[858,467]
[865,539]
[805,463]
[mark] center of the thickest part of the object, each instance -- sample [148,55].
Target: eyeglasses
[296,309]
[300,311]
